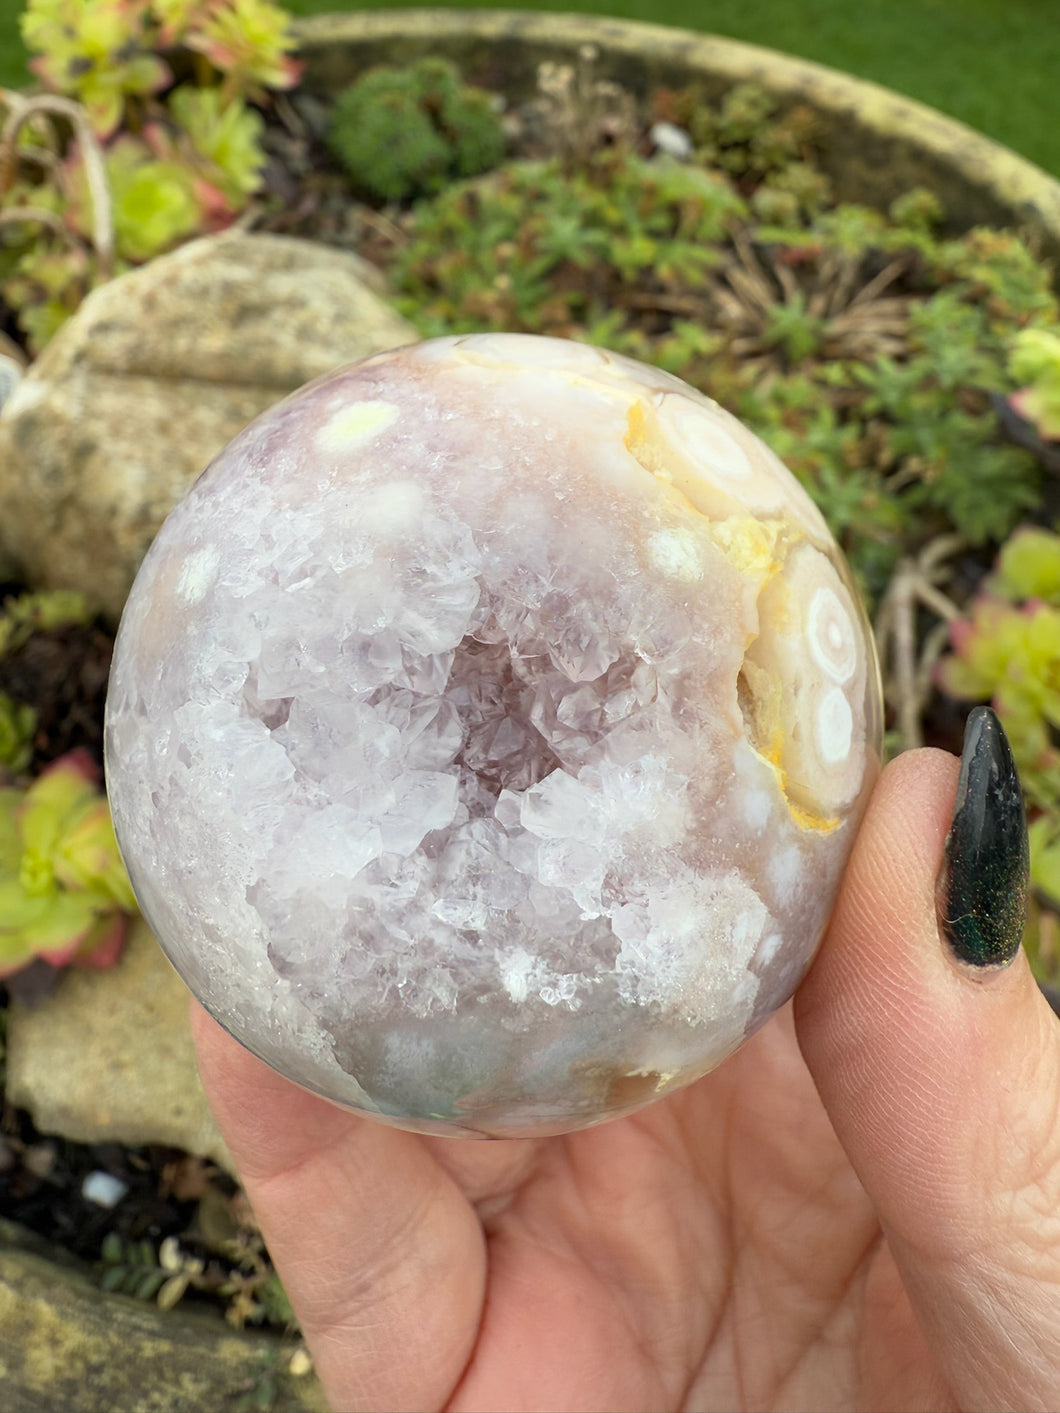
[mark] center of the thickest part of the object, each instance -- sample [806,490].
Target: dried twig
[16,215]
[913,586]
[21,111]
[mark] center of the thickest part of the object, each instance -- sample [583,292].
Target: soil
[62,673]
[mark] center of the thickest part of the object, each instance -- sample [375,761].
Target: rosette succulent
[64,894]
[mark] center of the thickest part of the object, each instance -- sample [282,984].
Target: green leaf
[63,925]
[227,134]
[54,800]
[1045,857]
[1029,566]
[97,51]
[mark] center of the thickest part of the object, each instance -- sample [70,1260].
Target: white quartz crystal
[487,733]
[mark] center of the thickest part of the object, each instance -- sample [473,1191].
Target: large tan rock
[108,1057]
[157,371]
[66,1344]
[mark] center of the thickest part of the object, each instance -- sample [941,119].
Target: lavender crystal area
[487,732]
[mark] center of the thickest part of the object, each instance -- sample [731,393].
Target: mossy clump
[403,133]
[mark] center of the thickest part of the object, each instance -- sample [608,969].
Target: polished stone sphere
[488,730]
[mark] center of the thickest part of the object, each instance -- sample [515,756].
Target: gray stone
[157,371]
[66,1344]
[108,1057]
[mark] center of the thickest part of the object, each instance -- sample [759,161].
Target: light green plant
[22,615]
[249,41]
[153,200]
[18,721]
[226,138]
[64,894]
[1006,650]
[146,165]
[106,53]
[1034,362]
[96,51]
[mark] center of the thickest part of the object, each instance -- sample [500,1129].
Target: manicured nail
[983,887]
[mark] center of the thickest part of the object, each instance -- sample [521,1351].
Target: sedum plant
[1006,650]
[113,164]
[94,51]
[64,894]
[111,55]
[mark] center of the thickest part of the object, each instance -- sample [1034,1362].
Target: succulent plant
[1035,362]
[131,165]
[96,51]
[224,138]
[402,133]
[64,894]
[1007,651]
[249,41]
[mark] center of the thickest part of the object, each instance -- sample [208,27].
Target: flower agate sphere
[487,733]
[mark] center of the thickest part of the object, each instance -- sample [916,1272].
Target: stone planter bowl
[876,144]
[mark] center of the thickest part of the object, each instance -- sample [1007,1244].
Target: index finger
[378,1250]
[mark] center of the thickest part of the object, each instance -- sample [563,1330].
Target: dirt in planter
[61,673]
[155,1223]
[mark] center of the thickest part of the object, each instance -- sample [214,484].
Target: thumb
[942,1080]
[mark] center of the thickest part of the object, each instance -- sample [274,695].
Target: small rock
[157,371]
[12,367]
[672,140]
[103,1189]
[64,1343]
[108,1057]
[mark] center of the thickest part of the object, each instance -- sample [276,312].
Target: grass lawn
[992,63]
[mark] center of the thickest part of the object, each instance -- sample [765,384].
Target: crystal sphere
[488,730]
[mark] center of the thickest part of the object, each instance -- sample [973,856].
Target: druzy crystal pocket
[488,730]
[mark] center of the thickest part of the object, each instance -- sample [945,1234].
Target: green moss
[401,133]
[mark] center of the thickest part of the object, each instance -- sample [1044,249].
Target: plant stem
[22,109]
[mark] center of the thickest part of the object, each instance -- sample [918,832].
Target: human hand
[860,1209]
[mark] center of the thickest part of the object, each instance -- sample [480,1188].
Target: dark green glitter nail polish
[983,889]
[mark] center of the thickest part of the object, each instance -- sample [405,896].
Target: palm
[713,1251]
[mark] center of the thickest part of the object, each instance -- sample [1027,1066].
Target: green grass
[992,63]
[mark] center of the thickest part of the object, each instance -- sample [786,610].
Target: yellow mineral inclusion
[771,751]
[803,818]
[356,425]
[758,549]
[750,545]
[807,819]
[643,447]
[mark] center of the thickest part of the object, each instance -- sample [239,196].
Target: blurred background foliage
[991,63]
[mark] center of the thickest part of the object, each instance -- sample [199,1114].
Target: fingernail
[983,886]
